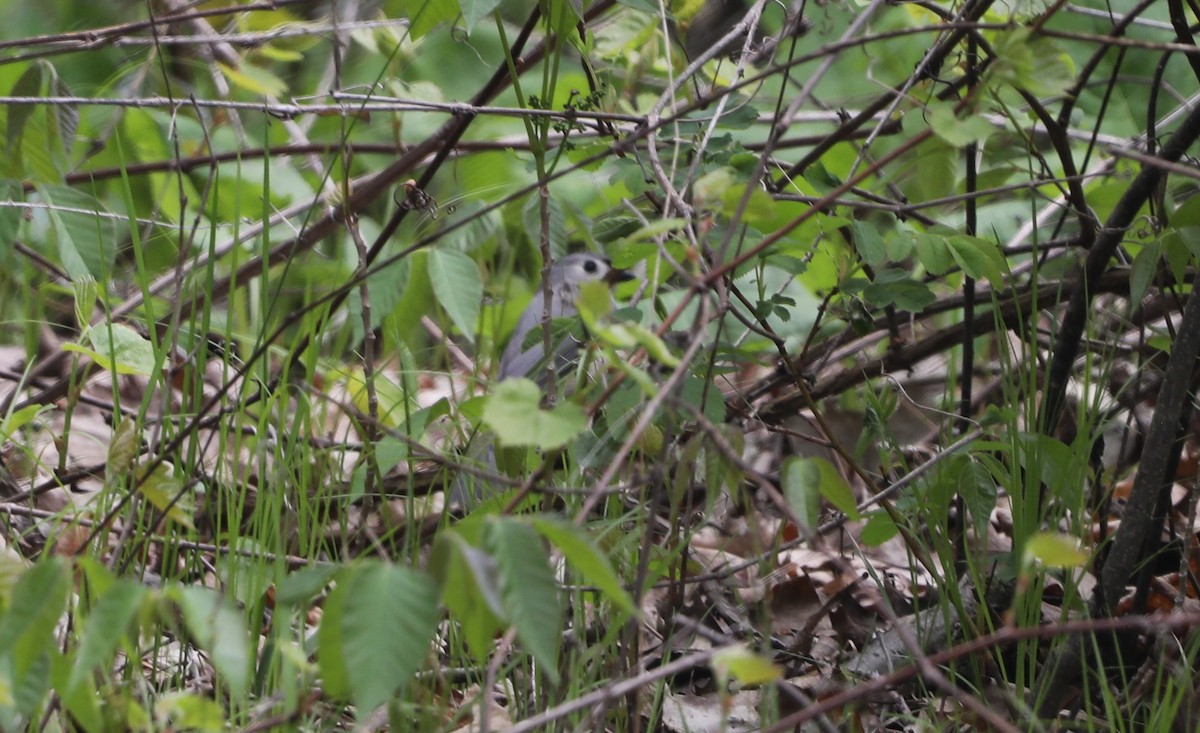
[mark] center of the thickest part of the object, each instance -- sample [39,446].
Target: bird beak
[616,275]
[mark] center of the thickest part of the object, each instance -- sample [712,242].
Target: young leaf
[979,258]
[458,286]
[27,628]
[220,630]
[801,479]
[1054,549]
[586,558]
[118,349]
[388,620]
[469,583]
[106,625]
[530,593]
[514,413]
[738,663]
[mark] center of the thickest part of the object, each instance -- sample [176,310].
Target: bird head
[571,271]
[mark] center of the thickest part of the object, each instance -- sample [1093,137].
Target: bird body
[566,276]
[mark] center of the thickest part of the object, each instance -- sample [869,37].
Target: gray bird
[566,275]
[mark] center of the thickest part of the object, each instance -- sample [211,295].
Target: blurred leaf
[979,258]
[934,253]
[82,231]
[117,348]
[531,215]
[219,629]
[1056,550]
[106,625]
[869,244]
[747,668]
[1143,270]
[302,585]
[879,529]
[388,620]
[40,137]
[530,593]
[123,447]
[459,288]
[514,413]
[385,289]
[801,484]
[894,287]
[469,582]
[254,79]
[190,711]
[710,189]
[958,131]
[978,490]
[35,606]
[81,701]
[583,555]
[18,419]
[475,10]
[1032,63]
[331,647]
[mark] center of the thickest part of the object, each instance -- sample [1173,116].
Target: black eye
[590,267]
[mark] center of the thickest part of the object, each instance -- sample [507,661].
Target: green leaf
[458,287]
[35,605]
[19,419]
[1141,272]
[709,190]
[123,446]
[84,232]
[979,258]
[385,288]
[531,216]
[514,413]
[894,287]
[254,79]
[1056,550]
[189,711]
[475,10]
[470,588]
[1035,64]
[627,228]
[117,348]
[40,137]
[583,555]
[804,476]
[978,490]
[301,586]
[958,131]
[934,253]
[165,492]
[429,13]
[107,625]
[529,591]
[331,652]
[869,244]
[738,663]
[388,621]
[219,629]
[801,483]
[836,491]
[82,701]
[879,529]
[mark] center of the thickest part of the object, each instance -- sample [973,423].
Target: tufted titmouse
[566,275]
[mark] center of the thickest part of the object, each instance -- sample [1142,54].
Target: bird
[566,277]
